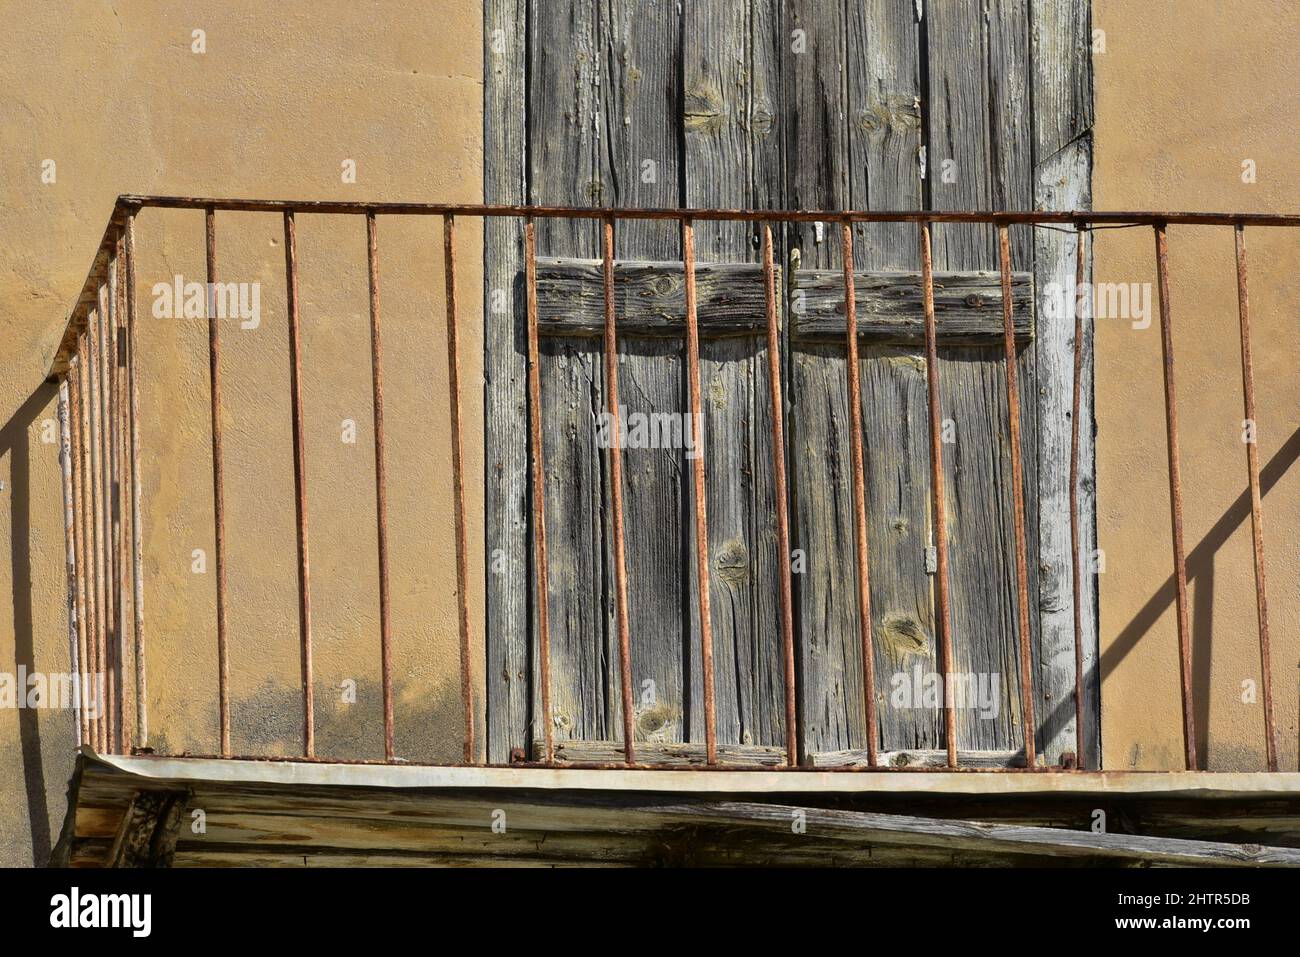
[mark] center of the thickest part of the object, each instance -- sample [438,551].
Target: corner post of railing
[134,483]
[70,544]
[85,671]
[937,490]
[1256,503]
[87,458]
[1175,497]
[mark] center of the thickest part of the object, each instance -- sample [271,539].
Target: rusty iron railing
[98,407]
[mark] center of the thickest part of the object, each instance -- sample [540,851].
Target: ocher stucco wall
[1185,93]
[284,93]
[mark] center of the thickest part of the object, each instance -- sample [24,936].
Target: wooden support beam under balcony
[123,811]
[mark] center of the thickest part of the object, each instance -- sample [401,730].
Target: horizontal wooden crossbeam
[649,301]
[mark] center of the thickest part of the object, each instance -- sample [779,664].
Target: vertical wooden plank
[563,129]
[978,158]
[733,159]
[884,146]
[817,177]
[1062,123]
[505,528]
[640,57]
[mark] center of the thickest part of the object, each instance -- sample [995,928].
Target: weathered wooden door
[877,104]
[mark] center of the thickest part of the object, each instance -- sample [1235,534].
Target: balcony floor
[143,810]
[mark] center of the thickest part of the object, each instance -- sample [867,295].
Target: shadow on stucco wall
[14,438]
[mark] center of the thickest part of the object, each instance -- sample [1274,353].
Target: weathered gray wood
[649,298]
[920,759]
[563,108]
[147,831]
[640,53]
[884,80]
[733,158]
[832,711]
[995,819]
[838,125]
[667,754]
[1062,121]
[1011,840]
[978,159]
[504,395]
[967,306]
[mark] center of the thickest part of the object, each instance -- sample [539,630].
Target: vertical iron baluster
[1256,505]
[616,492]
[137,537]
[1175,499]
[381,486]
[218,483]
[299,487]
[939,499]
[1018,496]
[859,494]
[458,484]
[782,514]
[701,492]
[541,577]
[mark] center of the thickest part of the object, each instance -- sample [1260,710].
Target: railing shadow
[14,439]
[1200,568]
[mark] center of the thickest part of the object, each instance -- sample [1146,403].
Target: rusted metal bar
[381,486]
[90,560]
[137,537]
[458,484]
[542,578]
[1018,498]
[86,677]
[109,385]
[299,486]
[121,526]
[701,496]
[859,495]
[1175,499]
[103,367]
[780,492]
[616,492]
[939,499]
[1256,505]
[69,539]
[107,434]
[1135,218]
[1076,560]
[128,204]
[218,483]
